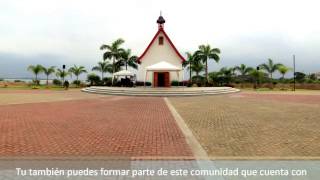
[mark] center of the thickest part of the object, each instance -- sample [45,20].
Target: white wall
[156,54]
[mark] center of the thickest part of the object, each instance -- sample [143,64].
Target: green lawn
[41,87]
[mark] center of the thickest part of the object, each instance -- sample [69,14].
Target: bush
[141,83]
[310,81]
[94,79]
[57,82]
[1,79]
[199,80]
[107,81]
[76,82]
[185,83]
[17,80]
[174,83]
[36,82]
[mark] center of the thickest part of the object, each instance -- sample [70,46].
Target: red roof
[170,42]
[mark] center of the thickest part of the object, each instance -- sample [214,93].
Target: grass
[40,87]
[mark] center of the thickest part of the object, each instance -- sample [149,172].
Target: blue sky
[56,32]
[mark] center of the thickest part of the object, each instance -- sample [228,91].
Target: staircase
[161,92]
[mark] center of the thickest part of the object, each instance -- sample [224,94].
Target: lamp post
[63,68]
[294,73]
[258,80]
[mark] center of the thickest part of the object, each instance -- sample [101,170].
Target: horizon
[247,32]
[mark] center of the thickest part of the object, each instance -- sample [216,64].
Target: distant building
[317,75]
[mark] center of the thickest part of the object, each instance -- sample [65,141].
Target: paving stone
[109,126]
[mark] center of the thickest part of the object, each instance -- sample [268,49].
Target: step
[142,92]
[160,92]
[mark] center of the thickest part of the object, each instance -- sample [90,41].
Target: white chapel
[161,62]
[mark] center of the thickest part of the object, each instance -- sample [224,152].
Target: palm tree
[188,62]
[197,67]
[283,70]
[270,67]
[103,67]
[36,70]
[233,71]
[227,74]
[256,74]
[77,70]
[243,69]
[48,71]
[205,53]
[113,52]
[61,74]
[128,59]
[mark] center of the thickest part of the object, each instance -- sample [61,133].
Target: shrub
[36,82]
[174,83]
[107,81]
[199,80]
[57,82]
[93,79]
[310,81]
[17,80]
[185,83]
[141,83]
[1,79]
[76,82]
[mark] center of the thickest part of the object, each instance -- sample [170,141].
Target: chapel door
[166,79]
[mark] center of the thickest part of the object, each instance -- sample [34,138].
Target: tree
[48,71]
[283,70]
[205,53]
[61,74]
[197,67]
[257,75]
[93,79]
[270,67]
[77,71]
[188,63]
[103,67]
[312,76]
[243,69]
[36,70]
[215,77]
[226,74]
[113,52]
[300,77]
[128,59]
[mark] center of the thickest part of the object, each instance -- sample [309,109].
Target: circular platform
[164,92]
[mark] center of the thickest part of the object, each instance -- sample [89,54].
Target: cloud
[72,31]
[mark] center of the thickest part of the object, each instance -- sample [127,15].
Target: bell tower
[160,21]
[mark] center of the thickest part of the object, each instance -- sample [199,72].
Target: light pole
[258,79]
[294,73]
[63,68]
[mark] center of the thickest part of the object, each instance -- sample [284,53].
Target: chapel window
[160,40]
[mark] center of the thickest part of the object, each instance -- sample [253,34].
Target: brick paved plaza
[95,126]
[249,124]
[45,123]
